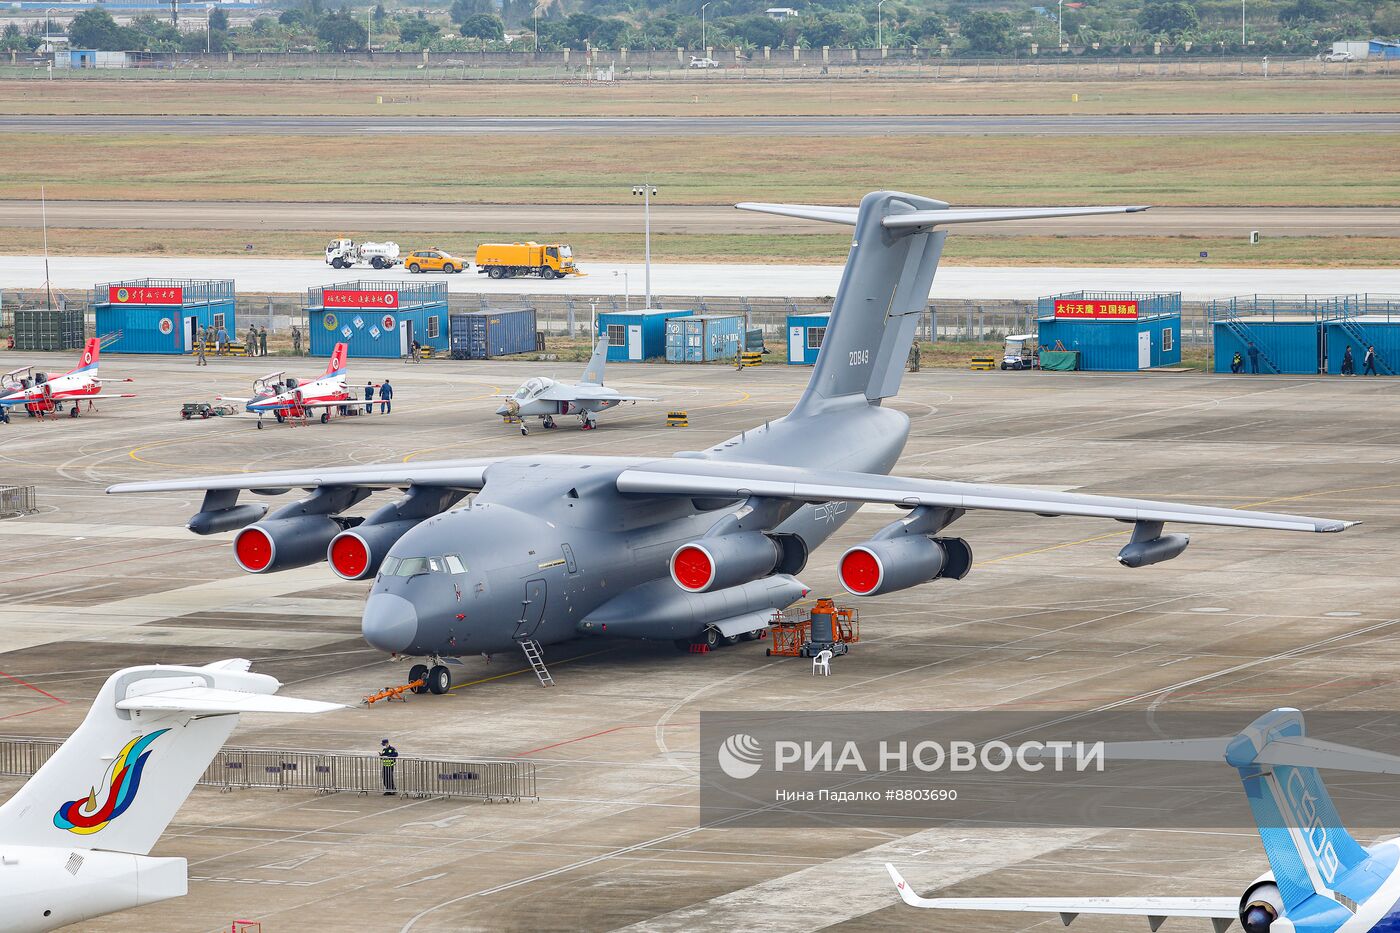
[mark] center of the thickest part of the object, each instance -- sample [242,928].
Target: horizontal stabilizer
[935,218]
[208,700]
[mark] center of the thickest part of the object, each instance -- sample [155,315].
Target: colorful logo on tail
[89,815]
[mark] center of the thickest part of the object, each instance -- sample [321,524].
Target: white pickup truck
[343,253]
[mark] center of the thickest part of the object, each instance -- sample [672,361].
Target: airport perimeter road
[537,219]
[711,279]
[958,125]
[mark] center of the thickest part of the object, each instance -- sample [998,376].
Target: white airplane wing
[738,480]
[1221,911]
[586,393]
[236,401]
[453,474]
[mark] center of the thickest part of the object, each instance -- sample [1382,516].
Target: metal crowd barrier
[17,500]
[324,772]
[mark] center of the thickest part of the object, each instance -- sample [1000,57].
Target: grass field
[1205,170]
[830,249]
[701,98]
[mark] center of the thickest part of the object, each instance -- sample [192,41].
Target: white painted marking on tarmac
[407,884]
[1210,609]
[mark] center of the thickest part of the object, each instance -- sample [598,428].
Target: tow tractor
[1020,352]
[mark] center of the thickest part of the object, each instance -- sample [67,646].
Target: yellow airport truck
[507,260]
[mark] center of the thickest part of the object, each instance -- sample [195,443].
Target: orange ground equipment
[793,630]
[394,693]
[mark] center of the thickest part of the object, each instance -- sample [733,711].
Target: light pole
[880,21]
[626,290]
[1062,24]
[1242,25]
[368,10]
[704,47]
[208,12]
[537,29]
[645,192]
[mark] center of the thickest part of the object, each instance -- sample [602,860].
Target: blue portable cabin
[634,336]
[703,338]
[161,315]
[480,335]
[1288,331]
[1113,331]
[805,335]
[378,319]
[1380,48]
[1373,321]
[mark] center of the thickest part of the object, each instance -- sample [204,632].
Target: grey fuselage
[549,539]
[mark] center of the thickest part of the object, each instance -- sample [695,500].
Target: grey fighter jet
[699,547]
[544,398]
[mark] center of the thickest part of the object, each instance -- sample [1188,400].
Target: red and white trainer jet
[42,396]
[297,399]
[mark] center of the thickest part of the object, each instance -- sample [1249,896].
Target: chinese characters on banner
[1110,310]
[358,298]
[145,295]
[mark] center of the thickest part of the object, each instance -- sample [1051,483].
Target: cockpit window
[454,564]
[411,566]
[530,389]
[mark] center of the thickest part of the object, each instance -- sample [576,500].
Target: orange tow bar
[394,693]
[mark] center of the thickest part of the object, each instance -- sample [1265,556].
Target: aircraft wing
[452,474]
[63,398]
[1223,911]
[737,480]
[586,393]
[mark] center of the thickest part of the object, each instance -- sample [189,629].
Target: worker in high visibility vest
[388,756]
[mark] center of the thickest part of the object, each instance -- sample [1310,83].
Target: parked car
[433,260]
[706,62]
[1338,57]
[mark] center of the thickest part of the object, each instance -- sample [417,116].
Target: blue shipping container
[634,336]
[118,308]
[481,335]
[1293,347]
[1116,346]
[703,338]
[379,320]
[1383,333]
[805,335]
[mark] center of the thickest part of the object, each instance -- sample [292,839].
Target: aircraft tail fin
[336,367]
[118,780]
[884,289]
[1309,850]
[593,372]
[88,362]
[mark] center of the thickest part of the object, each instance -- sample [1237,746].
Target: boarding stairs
[535,656]
[1242,333]
[1358,335]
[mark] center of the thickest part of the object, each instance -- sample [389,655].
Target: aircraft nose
[390,622]
[503,410]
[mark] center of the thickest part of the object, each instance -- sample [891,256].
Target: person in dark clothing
[262,341]
[296,340]
[1348,363]
[369,397]
[1237,363]
[386,395]
[1253,358]
[1370,369]
[388,757]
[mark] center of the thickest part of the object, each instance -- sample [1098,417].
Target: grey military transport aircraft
[700,547]
[544,398]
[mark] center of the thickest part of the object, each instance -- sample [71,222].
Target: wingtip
[1335,526]
[1139,208]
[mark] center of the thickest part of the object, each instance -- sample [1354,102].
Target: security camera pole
[645,192]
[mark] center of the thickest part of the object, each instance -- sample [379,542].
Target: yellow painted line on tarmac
[1053,547]
[529,670]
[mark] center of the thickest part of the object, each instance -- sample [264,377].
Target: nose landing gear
[439,679]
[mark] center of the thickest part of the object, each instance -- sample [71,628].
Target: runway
[680,280]
[536,219]
[912,125]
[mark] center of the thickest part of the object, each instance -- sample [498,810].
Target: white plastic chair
[822,662]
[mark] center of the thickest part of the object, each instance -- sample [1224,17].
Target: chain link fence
[325,772]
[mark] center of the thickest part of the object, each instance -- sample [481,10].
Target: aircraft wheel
[524,429]
[439,679]
[419,672]
[732,639]
[73,412]
[280,417]
[709,638]
[325,416]
[259,424]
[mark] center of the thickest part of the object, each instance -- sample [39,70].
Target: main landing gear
[436,679]
[711,639]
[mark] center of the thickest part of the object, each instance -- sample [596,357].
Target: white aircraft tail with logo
[121,777]
[593,372]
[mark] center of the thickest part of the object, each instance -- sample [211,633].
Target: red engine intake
[724,561]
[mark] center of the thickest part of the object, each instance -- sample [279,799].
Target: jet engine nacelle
[284,543]
[723,561]
[213,521]
[891,564]
[356,553]
[1153,551]
[1261,905]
